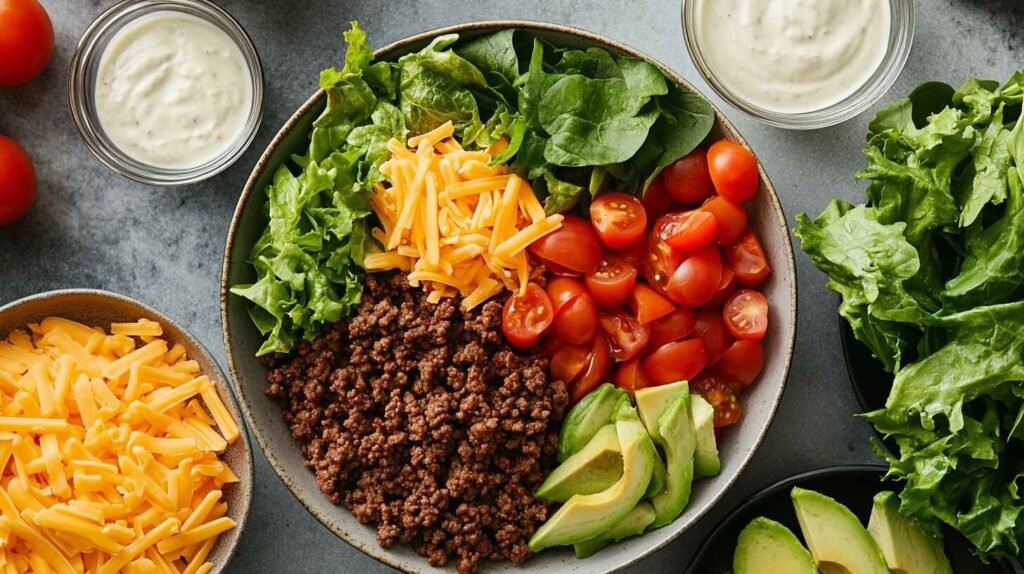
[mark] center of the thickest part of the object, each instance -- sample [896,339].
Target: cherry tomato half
[747,260]
[675,326]
[620,219]
[648,305]
[656,200]
[594,372]
[626,336]
[711,329]
[661,260]
[746,315]
[576,322]
[612,283]
[680,361]
[733,170]
[26,43]
[742,362]
[630,376]
[731,218]
[562,290]
[695,282]
[689,230]
[573,247]
[688,179]
[17,179]
[726,288]
[568,361]
[526,318]
[718,392]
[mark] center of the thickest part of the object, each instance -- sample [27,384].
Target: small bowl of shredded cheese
[121,447]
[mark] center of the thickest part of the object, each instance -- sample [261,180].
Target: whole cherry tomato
[688,179]
[733,170]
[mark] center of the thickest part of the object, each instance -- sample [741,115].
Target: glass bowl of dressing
[799,64]
[166,92]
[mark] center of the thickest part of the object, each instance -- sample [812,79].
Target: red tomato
[620,219]
[576,322]
[656,200]
[731,218]
[634,255]
[675,326]
[711,329]
[26,42]
[630,376]
[688,179]
[695,282]
[742,362]
[726,288]
[17,177]
[526,318]
[689,230]
[733,170]
[746,315]
[562,290]
[573,247]
[661,260]
[719,393]
[612,283]
[568,361]
[648,305]
[626,336]
[594,373]
[748,261]
[680,361]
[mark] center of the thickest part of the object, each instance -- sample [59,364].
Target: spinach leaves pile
[931,275]
[578,122]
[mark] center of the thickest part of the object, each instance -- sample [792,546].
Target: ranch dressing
[793,56]
[173,90]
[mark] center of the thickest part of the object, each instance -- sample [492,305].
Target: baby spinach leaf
[561,195]
[434,88]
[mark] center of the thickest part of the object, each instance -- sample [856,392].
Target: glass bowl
[82,81]
[901,36]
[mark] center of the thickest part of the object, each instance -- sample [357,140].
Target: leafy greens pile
[931,275]
[577,122]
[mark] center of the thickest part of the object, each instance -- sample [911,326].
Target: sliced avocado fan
[907,548]
[837,540]
[596,467]
[767,547]
[586,418]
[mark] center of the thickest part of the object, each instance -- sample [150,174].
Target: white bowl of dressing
[799,64]
[166,92]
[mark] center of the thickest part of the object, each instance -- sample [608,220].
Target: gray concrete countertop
[92,228]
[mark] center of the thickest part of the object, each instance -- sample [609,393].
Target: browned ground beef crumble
[422,420]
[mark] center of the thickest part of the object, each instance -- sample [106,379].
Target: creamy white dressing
[793,56]
[173,90]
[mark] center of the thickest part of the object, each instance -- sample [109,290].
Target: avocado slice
[837,540]
[706,462]
[906,548]
[593,469]
[652,402]
[633,524]
[679,441]
[594,410]
[587,516]
[767,547]
[657,477]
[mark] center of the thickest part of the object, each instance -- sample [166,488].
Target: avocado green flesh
[679,443]
[906,548]
[594,468]
[658,477]
[584,517]
[633,524]
[594,411]
[652,402]
[767,547]
[706,461]
[837,540]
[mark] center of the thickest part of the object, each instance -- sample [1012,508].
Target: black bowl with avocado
[853,486]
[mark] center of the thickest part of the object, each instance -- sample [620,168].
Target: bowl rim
[223,381]
[383,555]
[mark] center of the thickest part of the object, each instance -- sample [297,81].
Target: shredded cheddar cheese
[109,452]
[456,223]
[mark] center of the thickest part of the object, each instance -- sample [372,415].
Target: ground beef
[423,421]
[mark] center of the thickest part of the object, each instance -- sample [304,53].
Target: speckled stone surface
[92,228]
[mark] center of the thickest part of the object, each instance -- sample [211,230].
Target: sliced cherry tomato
[718,392]
[661,261]
[626,336]
[748,261]
[695,282]
[746,315]
[656,200]
[562,290]
[630,376]
[594,373]
[620,219]
[688,179]
[612,283]
[17,175]
[568,361]
[675,326]
[634,255]
[689,230]
[26,43]
[731,218]
[526,318]
[711,329]
[576,322]
[648,305]
[680,361]
[742,362]
[733,170]
[726,288]
[572,247]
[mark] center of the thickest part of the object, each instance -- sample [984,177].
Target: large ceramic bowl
[101,308]
[241,339]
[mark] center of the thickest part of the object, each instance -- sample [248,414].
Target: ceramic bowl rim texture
[774,206]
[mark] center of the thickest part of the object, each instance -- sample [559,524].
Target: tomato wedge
[688,179]
[742,363]
[680,361]
[562,290]
[648,305]
[576,322]
[612,283]
[726,288]
[746,315]
[733,170]
[747,260]
[675,326]
[695,282]
[656,200]
[594,372]
[731,218]
[689,230]
[619,219]
[630,376]
[711,329]
[524,319]
[626,336]
[718,391]
[573,247]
